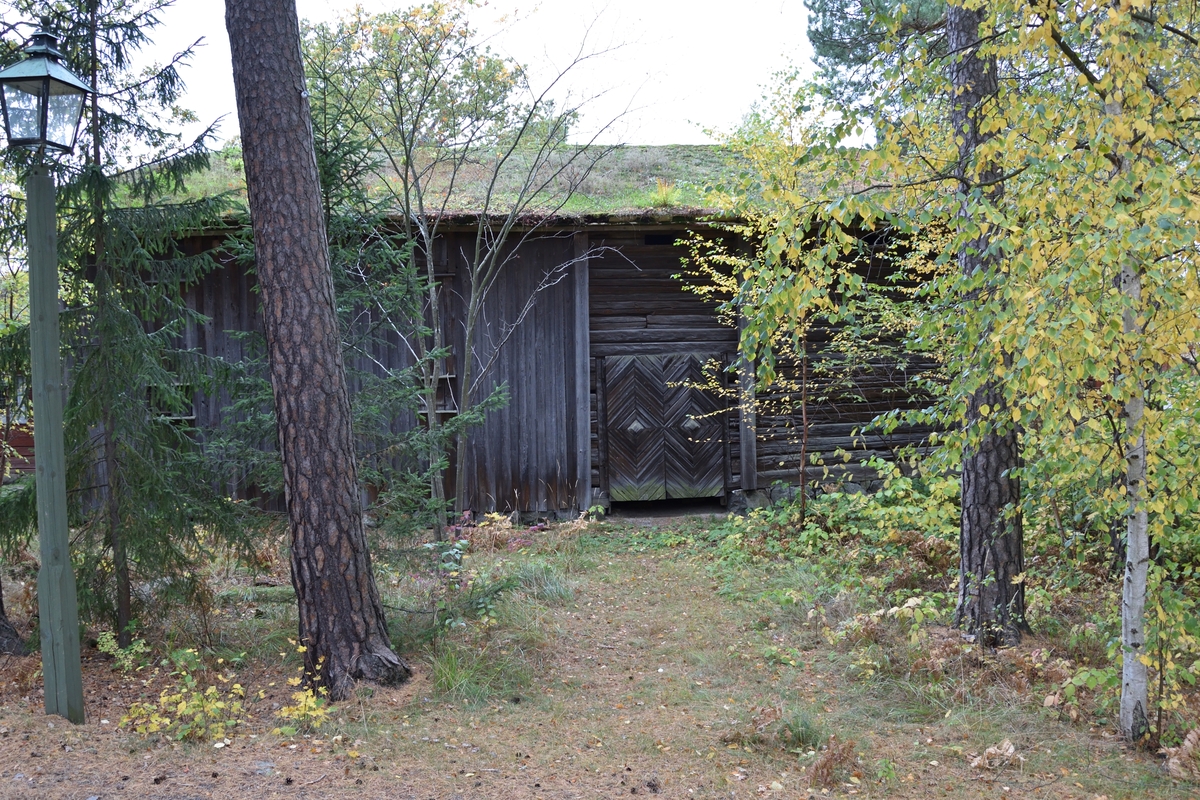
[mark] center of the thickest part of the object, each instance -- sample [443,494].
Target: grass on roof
[627,178]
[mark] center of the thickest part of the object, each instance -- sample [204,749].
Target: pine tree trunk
[11,643]
[991,596]
[341,618]
[991,601]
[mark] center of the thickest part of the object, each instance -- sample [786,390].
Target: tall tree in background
[991,592]
[341,617]
[381,293]
[883,68]
[854,44]
[458,128]
[858,51]
[127,428]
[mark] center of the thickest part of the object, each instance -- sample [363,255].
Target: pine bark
[991,598]
[11,643]
[342,623]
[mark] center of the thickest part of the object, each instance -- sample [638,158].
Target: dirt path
[650,684]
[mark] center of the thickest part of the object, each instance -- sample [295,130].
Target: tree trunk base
[11,643]
[386,669]
[381,667]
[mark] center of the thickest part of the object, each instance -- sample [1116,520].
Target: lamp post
[42,103]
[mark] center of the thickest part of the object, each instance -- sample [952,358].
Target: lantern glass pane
[62,115]
[24,115]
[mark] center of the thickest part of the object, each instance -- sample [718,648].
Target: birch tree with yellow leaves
[1070,182]
[1101,305]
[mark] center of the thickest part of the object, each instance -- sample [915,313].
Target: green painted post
[58,608]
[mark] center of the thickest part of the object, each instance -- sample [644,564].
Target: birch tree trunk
[1134,678]
[1133,721]
[341,618]
[991,598]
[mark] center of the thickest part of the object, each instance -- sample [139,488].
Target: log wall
[638,307]
[611,293]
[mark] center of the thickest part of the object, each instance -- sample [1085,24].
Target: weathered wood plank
[618,323]
[582,369]
[700,336]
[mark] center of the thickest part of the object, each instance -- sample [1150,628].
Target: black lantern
[41,99]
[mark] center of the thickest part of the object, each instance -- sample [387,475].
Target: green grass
[627,179]
[543,582]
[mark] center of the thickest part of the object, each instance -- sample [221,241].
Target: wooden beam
[748,427]
[583,395]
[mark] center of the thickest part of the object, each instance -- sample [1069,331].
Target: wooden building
[602,375]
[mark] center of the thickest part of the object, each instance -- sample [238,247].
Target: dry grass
[643,680]
[833,765]
[629,178]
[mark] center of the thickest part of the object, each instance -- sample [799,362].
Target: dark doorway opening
[682,507]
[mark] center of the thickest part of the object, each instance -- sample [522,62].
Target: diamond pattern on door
[693,424]
[636,446]
[664,437]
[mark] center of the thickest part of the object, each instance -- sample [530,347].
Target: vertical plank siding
[524,457]
[613,296]
[226,297]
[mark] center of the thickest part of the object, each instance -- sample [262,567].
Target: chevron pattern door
[663,439]
[692,428]
[636,441]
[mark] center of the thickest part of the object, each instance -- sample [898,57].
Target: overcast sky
[679,67]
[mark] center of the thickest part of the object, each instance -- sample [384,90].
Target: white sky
[679,67]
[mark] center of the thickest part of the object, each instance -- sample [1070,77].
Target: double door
[666,438]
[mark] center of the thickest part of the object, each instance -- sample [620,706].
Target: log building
[602,374]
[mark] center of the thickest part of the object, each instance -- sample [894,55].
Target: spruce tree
[140,484]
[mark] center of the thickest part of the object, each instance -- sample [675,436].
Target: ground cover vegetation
[1047,148]
[811,645]
[686,657]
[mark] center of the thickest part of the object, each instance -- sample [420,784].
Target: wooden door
[636,442]
[693,428]
[664,437]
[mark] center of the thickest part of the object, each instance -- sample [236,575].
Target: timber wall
[637,307]
[608,291]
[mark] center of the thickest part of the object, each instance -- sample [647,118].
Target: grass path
[648,682]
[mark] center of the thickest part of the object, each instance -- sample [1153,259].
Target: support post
[58,609]
[747,419]
[583,375]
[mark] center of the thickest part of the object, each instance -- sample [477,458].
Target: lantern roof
[42,62]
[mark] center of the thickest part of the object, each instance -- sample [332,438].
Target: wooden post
[747,419]
[583,376]
[58,609]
